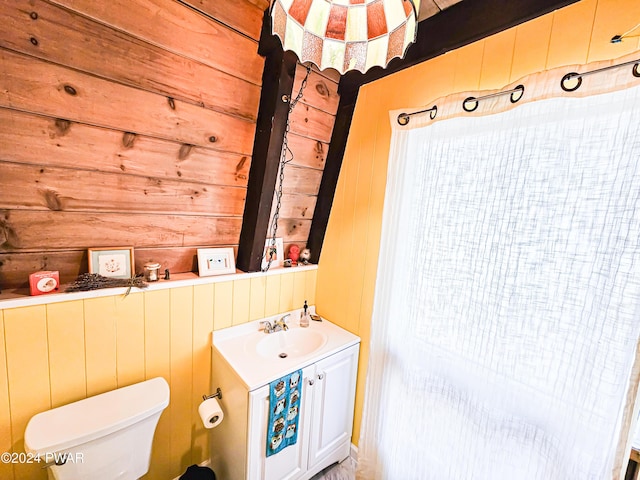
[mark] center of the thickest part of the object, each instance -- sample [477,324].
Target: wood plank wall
[311,124]
[131,123]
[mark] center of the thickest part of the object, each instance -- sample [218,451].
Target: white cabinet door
[291,462]
[333,400]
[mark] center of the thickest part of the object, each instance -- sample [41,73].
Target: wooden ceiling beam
[277,84]
[459,25]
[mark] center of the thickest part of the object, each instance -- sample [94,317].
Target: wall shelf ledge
[15,298]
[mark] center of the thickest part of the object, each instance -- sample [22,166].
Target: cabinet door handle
[311,382]
[320,376]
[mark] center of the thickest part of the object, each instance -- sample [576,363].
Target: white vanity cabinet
[332,415]
[326,420]
[238,444]
[291,462]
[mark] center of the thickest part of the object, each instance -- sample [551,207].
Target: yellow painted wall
[58,353]
[576,34]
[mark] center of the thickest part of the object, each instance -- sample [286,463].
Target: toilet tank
[105,437]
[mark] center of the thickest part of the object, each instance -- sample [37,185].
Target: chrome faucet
[277,326]
[282,323]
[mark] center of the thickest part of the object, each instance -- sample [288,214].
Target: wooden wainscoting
[57,353]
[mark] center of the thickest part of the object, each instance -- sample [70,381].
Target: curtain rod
[403,118]
[519,88]
[572,75]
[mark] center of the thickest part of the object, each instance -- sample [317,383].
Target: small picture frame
[278,253]
[113,262]
[215,261]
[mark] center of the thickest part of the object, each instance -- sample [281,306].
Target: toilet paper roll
[211,413]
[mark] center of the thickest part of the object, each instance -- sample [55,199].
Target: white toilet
[105,437]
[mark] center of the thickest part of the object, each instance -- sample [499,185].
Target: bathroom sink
[259,358]
[291,343]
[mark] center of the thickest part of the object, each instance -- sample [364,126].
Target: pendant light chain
[286,152]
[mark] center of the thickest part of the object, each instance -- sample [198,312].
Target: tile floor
[339,471]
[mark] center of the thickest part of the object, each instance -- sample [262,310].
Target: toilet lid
[85,420]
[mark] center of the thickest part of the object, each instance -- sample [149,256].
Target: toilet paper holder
[217,395]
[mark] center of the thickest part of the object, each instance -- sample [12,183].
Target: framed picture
[215,261]
[277,250]
[114,262]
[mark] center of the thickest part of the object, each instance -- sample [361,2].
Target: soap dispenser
[304,316]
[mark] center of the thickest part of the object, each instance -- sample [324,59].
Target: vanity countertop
[255,355]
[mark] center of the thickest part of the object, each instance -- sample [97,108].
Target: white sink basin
[289,344]
[259,358]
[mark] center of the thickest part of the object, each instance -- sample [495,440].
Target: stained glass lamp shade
[346,34]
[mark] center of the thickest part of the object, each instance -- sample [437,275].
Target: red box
[44,282]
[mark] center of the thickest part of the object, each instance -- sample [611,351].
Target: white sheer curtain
[506,313]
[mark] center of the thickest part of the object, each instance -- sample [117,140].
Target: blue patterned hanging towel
[284,412]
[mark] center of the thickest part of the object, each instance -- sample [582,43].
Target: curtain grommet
[517,94]
[571,76]
[403,119]
[470,99]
